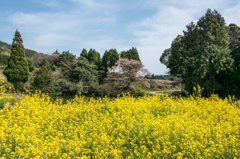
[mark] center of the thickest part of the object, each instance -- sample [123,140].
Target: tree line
[66,74]
[207,54]
[5,50]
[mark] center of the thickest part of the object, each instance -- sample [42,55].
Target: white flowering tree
[127,71]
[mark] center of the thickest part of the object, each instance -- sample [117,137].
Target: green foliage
[84,53]
[6,100]
[200,54]
[67,87]
[108,60]
[131,54]
[43,63]
[56,52]
[4,47]
[123,54]
[94,90]
[138,93]
[54,68]
[139,85]
[17,71]
[42,81]
[197,91]
[93,56]
[65,59]
[31,65]
[213,38]
[110,57]
[29,53]
[162,77]
[230,79]
[164,58]
[80,76]
[87,72]
[4,59]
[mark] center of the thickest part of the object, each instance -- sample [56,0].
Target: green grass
[5,100]
[140,86]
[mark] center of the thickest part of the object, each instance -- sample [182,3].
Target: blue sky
[148,25]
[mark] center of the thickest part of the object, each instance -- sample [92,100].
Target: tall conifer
[213,42]
[17,71]
[84,53]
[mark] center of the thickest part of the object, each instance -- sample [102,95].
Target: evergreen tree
[84,53]
[230,79]
[165,55]
[123,54]
[43,81]
[65,59]
[175,60]
[200,54]
[213,43]
[131,54]
[194,71]
[93,56]
[109,59]
[234,44]
[17,71]
[56,52]
[31,65]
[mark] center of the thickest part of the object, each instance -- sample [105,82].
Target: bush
[138,93]
[54,68]
[4,59]
[42,81]
[94,90]
[5,100]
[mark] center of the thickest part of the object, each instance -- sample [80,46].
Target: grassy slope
[6,49]
[158,87]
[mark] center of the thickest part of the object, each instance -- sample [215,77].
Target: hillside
[6,49]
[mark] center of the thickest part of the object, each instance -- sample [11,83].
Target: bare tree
[39,57]
[127,71]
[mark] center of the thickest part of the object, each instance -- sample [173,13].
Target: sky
[148,25]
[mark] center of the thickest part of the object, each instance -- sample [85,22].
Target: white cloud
[155,34]
[48,3]
[51,39]
[76,24]
[61,28]
[231,15]
[45,22]
[94,4]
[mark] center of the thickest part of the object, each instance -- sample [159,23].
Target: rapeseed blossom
[123,127]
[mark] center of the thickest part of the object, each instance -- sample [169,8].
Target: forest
[207,54]
[64,74]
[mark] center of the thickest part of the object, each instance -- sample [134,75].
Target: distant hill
[6,49]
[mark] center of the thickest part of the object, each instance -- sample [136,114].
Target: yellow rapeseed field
[124,127]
